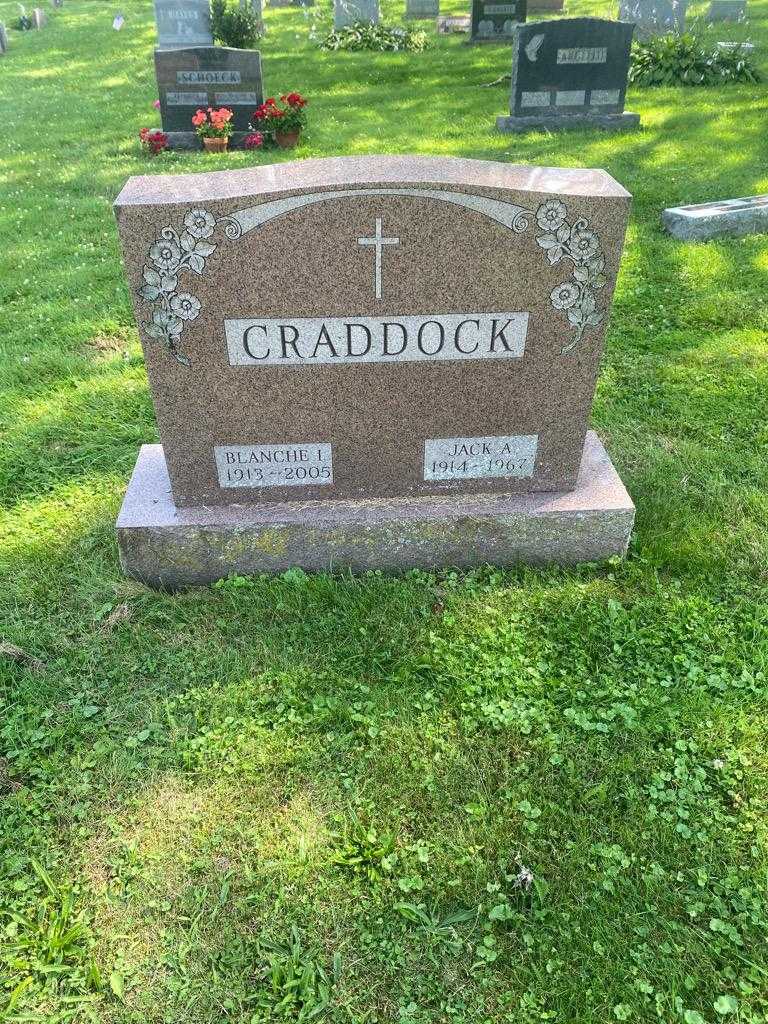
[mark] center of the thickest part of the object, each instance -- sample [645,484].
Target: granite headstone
[654,17]
[206,76]
[495,21]
[727,10]
[422,8]
[39,18]
[720,219]
[348,12]
[371,362]
[3,39]
[569,72]
[183,23]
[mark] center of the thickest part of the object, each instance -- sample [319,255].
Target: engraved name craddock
[274,465]
[368,339]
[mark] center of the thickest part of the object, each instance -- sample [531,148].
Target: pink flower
[253,141]
[199,118]
[156,104]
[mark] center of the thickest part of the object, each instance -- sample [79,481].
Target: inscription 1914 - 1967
[474,458]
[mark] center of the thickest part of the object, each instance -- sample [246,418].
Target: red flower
[253,141]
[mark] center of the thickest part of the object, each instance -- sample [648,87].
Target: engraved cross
[379,242]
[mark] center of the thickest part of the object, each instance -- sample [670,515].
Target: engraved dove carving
[532,49]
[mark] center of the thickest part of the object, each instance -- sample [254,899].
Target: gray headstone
[347,12]
[57,3]
[654,17]
[570,66]
[495,20]
[206,76]
[734,217]
[3,39]
[183,23]
[727,10]
[422,8]
[39,18]
[447,24]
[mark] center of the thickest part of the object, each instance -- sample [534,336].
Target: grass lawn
[247,803]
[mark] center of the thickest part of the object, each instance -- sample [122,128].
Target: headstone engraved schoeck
[654,17]
[494,21]
[371,362]
[206,76]
[725,217]
[569,72]
[183,23]
[349,12]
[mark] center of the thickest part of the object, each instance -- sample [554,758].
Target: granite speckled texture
[728,217]
[470,237]
[168,547]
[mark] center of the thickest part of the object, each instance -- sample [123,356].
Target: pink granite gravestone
[371,362]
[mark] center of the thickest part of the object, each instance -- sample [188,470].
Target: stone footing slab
[191,140]
[169,547]
[558,122]
[729,217]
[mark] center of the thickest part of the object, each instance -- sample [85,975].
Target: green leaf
[117,984]
[725,1005]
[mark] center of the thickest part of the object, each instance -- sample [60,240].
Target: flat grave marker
[371,362]
[719,219]
[206,76]
[570,72]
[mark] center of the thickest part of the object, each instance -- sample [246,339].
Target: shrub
[365,36]
[233,25]
[682,59]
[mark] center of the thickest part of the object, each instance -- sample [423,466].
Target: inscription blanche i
[472,458]
[369,339]
[306,464]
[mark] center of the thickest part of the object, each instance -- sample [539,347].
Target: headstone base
[623,122]
[191,140]
[169,547]
[730,218]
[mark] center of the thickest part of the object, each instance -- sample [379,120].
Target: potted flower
[214,128]
[284,123]
[153,141]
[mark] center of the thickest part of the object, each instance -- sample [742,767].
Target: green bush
[682,59]
[365,36]
[233,25]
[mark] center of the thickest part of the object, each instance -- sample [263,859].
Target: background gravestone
[727,10]
[492,22]
[449,24]
[3,39]
[183,23]
[206,76]
[347,12]
[545,5]
[422,8]
[724,218]
[654,17]
[373,362]
[39,18]
[568,72]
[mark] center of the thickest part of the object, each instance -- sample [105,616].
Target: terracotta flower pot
[215,145]
[286,140]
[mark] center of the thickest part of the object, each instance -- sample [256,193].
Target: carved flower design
[583,243]
[200,223]
[579,245]
[552,214]
[185,306]
[165,254]
[171,254]
[564,295]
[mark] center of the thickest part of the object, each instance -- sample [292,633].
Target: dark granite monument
[654,17]
[206,76]
[727,10]
[183,23]
[495,22]
[371,362]
[569,72]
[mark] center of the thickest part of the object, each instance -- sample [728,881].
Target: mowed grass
[498,796]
